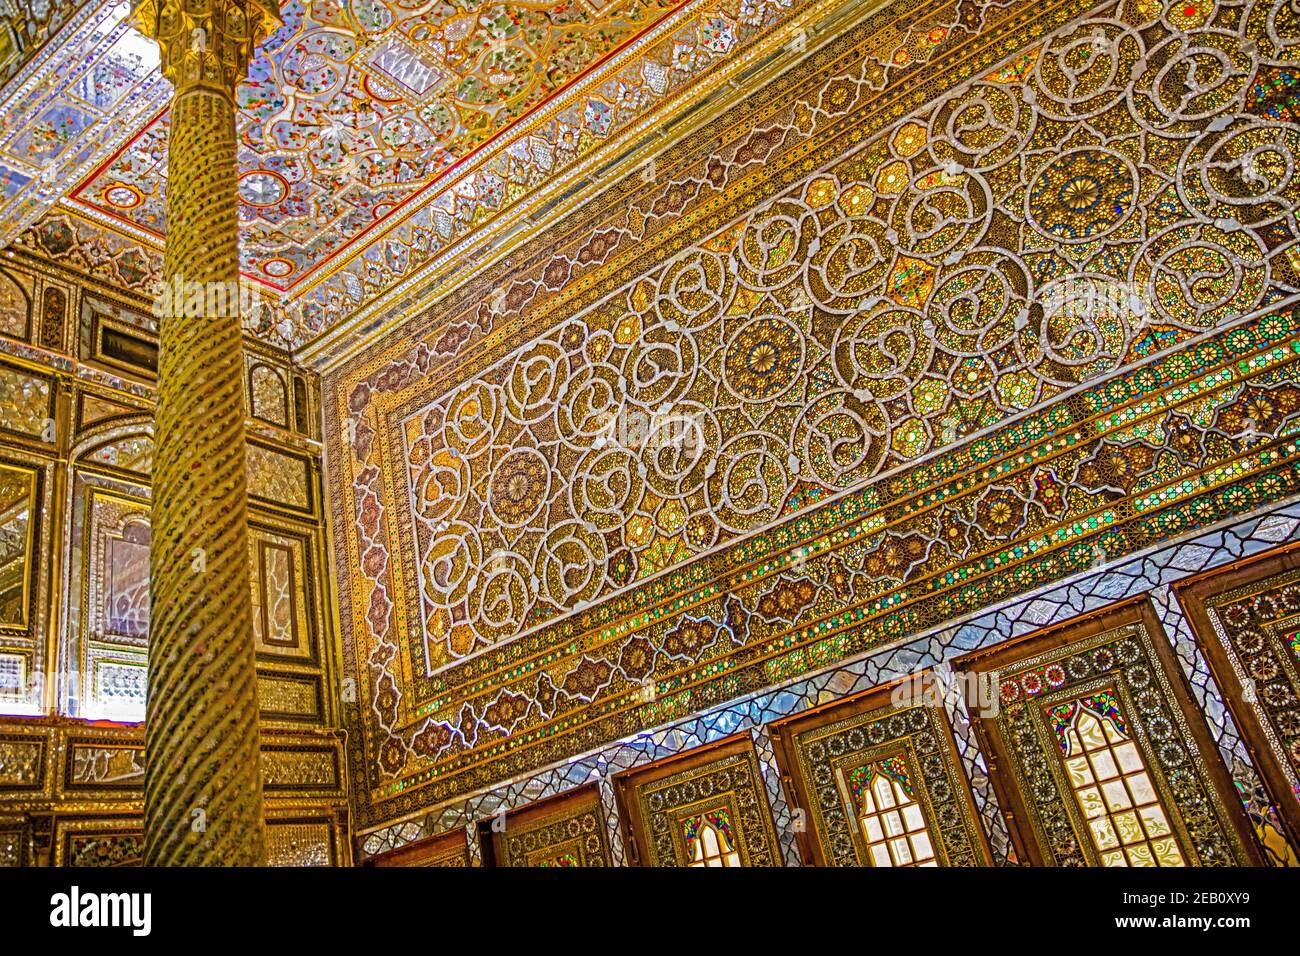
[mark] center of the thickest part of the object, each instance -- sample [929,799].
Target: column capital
[206,43]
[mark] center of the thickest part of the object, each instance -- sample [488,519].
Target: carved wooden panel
[445,849]
[563,831]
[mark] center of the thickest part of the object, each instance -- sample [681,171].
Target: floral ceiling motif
[731,386]
[375,133]
[355,107]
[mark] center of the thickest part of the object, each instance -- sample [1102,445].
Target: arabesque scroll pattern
[1041,226]
[1151,572]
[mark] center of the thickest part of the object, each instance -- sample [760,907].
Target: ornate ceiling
[376,134]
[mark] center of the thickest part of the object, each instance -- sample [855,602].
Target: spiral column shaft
[203,789]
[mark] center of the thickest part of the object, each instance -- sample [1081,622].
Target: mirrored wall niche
[17,504]
[27,455]
[16,294]
[107,592]
[107,581]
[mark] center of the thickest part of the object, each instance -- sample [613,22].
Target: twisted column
[203,789]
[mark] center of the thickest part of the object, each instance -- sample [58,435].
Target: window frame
[635,828]
[1007,655]
[1196,595]
[799,794]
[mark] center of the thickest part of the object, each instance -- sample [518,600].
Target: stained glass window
[704,807]
[889,815]
[709,840]
[1099,763]
[1111,783]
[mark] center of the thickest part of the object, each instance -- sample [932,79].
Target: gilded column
[203,790]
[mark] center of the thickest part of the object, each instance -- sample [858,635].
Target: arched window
[709,840]
[889,815]
[1128,824]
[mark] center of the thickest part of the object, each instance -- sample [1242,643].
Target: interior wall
[928,372]
[77,360]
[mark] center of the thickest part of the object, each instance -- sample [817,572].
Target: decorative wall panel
[17,555]
[25,495]
[25,403]
[305,842]
[98,841]
[284,617]
[75,461]
[301,769]
[565,831]
[15,303]
[107,602]
[1149,574]
[89,778]
[53,760]
[880,782]
[1246,617]
[1101,751]
[278,478]
[706,807]
[94,409]
[449,849]
[13,844]
[856,363]
[290,697]
[268,395]
[98,764]
[23,767]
